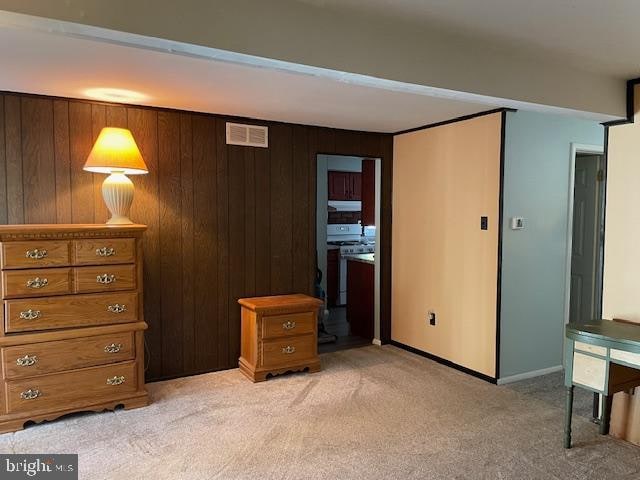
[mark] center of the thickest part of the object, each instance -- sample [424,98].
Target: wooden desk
[601,356]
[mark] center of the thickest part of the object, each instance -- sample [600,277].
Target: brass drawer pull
[27,361]
[105,278]
[117,308]
[37,282]
[36,254]
[289,325]
[113,348]
[105,251]
[288,349]
[30,314]
[117,380]
[30,394]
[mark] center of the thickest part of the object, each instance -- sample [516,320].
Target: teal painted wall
[536,187]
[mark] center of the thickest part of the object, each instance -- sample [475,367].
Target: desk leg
[567,416]
[606,414]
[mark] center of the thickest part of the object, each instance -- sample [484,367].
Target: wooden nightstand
[279,335]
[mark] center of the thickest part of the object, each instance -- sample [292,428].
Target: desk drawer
[35,254]
[104,251]
[49,357]
[589,371]
[36,283]
[288,351]
[105,278]
[628,357]
[71,311]
[585,347]
[69,389]
[286,325]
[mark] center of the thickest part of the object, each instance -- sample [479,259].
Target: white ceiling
[61,65]
[595,35]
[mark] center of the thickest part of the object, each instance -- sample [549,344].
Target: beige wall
[622,229]
[444,179]
[622,253]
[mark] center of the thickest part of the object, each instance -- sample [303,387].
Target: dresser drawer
[104,251]
[288,351]
[105,278]
[286,325]
[35,254]
[49,357]
[36,283]
[70,311]
[70,389]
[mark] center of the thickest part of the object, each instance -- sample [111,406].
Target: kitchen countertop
[362,257]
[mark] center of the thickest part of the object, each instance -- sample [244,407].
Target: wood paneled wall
[224,221]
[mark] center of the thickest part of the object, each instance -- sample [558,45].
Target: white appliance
[345,205]
[350,241]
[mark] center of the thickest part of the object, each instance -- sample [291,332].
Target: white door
[584,297]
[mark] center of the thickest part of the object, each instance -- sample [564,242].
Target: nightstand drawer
[35,254]
[290,324]
[288,350]
[49,357]
[105,278]
[71,389]
[103,252]
[70,311]
[36,283]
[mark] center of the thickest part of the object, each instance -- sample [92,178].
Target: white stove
[348,238]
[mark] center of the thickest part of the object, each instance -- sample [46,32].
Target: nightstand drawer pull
[113,348]
[37,283]
[117,308]
[288,350]
[36,254]
[30,314]
[27,361]
[30,394]
[289,325]
[117,380]
[105,278]
[105,251]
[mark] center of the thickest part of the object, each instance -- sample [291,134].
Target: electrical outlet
[432,318]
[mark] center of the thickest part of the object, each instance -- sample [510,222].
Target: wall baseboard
[375,341]
[527,375]
[443,361]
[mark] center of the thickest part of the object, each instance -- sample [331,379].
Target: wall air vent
[247,135]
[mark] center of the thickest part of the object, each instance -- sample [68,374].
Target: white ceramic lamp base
[117,191]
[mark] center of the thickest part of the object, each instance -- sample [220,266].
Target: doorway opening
[347,250]
[586,234]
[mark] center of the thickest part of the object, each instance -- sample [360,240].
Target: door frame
[381,322]
[577,148]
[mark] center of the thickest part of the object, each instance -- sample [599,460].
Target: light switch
[517,223]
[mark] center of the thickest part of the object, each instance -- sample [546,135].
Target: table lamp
[116,153]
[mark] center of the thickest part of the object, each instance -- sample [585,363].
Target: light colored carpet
[373,412]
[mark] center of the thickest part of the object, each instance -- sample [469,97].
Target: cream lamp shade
[116,153]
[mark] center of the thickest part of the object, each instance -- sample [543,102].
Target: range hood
[344,205]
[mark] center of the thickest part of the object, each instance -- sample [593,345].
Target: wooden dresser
[279,335]
[72,326]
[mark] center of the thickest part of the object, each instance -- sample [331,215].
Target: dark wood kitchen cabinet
[360,297]
[368,192]
[333,276]
[345,185]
